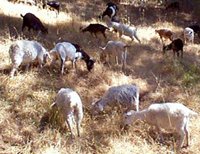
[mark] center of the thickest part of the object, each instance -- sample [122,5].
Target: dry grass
[25,98]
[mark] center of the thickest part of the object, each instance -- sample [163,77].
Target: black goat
[173,6]
[176,45]
[32,22]
[95,28]
[53,4]
[110,11]
[89,61]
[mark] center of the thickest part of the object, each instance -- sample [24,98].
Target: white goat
[66,50]
[189,34]
[25,52]
[117,49]
[126,96]
[70,105]
[124,29]
[172,117]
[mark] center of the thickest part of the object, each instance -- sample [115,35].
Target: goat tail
[21,15]
[53,105]
[107,28]
[102,48]
[82,29]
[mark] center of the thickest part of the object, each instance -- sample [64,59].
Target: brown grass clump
[25,99]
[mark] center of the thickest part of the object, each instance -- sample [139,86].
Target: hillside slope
[25,98]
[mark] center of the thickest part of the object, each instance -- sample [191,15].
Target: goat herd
[173,117]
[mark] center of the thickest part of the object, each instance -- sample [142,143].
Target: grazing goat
[53,4]
[70,105]
[173,6]
[189,34]
[110,11]
[25,52]
[176,45]
[95,28]
[165,33]
[124,30]
[66,50]
[172,117]
[32,22]
[126,96]
[116,49]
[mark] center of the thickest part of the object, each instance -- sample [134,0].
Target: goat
[189,35]
[32,22]
[69,103]
[66,50]
[126,96]
[25,52]
[165,33]
[124,29]
[110,11]
[172,117]
[176,45]
[117,49]
[96,28]
[53,4]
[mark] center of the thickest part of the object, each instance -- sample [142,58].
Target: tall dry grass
[25,98]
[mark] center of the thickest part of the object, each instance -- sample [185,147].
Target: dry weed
[26,98]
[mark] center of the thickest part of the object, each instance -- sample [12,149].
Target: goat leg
[68,123]
[62,66]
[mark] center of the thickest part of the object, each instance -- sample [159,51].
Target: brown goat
[165,33]
[95,28]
